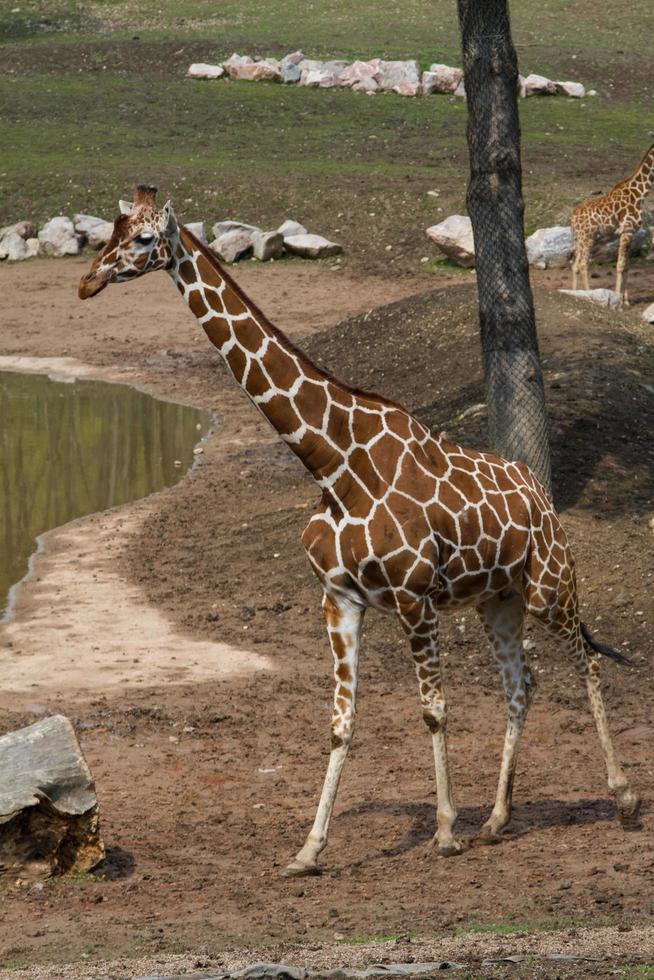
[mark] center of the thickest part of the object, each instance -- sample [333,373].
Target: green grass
[86,111]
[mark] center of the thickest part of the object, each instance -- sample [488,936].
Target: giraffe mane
[304,358]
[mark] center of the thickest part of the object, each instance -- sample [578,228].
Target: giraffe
[408,523]
[618,212]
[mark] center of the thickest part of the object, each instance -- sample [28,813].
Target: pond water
[70,449]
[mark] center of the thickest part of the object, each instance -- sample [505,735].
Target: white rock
[221,227]
[539,85]
[441,78]
[267,245]
[591,91]
[648,315]
[257,71]
[454,238]
[96,231]
[320,78]
[358,71]
[289,227]
[406,88]
[294,58]
[26,229]
[522,88]
[197,228]
[367,85]
[460,90]
[311,246]
[398,74]
[237,59]
[200,70]
[550,248]
[309,64]
[33,247]
[13,248]
[575,90]
[58,237]
[605,297]
[233,245]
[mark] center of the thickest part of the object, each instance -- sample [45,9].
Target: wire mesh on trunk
[514,382]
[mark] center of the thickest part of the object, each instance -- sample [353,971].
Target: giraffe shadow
[527,818]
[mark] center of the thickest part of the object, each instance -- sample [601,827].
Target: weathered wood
[48,806]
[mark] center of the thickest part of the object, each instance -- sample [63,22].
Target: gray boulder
[289,227]
[648,316]
[402,77]
[58,237]
[311,246]
[14,248]
[233,245]
[574,90]
[267,245]
[96,231]
[222,226]
[605,297]
[550,248]
[454,238]
[290,73]
[197,228]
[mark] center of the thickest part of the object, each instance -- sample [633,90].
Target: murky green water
[71,449]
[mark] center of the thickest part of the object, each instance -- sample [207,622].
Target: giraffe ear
[168,221]
[126,207]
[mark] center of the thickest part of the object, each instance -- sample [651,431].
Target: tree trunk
[514,382]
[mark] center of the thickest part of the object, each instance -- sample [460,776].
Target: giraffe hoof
[487,836]
[298,869]
[629,810]
[451,849]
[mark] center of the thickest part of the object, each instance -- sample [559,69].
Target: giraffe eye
[145,238]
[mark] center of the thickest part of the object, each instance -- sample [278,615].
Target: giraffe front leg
[502,618]
[421,624]
[344,621]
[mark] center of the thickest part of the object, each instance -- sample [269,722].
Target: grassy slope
[94,99]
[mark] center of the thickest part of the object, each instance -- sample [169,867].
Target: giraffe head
[140,243]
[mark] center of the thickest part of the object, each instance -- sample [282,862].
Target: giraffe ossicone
[619,212]
[407,524]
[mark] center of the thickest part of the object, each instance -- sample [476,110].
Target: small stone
[605,297]
[267,245]
[311,246]
[574,90]
[539,85]
[201,70]
[454,238]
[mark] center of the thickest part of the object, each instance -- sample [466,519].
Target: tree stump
[48,806]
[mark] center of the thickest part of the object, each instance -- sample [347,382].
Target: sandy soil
[208,784]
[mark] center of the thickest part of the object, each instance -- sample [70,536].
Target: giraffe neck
[311,411]
[642,178]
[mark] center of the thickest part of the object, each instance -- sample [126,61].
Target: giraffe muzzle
[91,285]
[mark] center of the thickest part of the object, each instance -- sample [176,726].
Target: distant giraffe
[408,523]
[618,212]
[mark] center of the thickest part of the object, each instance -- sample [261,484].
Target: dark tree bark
[514,381]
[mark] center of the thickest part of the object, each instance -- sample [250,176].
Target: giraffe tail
[605,650]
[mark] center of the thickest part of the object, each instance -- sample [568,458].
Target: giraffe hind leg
[502,618]
[561,621]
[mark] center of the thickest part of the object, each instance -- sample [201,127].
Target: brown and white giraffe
[617,213]
[408,523]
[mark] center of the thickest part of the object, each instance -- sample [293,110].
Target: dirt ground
[208,781]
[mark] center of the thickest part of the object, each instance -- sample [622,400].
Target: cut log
[48,806]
